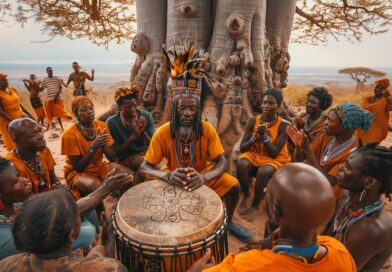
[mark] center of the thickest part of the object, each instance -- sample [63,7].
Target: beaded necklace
[185,153]
[87,132]
[7,219]
[38,168]
[343,223]
[301,253]
[330,153]
[310,124]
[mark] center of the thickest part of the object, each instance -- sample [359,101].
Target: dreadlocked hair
[43,224]
[175,120]
[323,96]
[378,163]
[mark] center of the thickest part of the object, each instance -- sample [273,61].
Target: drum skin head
[157,213]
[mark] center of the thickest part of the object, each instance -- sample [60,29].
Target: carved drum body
[160,227]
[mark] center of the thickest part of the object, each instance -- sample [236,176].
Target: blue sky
[17,47]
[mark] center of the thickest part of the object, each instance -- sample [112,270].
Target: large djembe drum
[159,227]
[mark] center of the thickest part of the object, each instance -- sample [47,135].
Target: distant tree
[361,74]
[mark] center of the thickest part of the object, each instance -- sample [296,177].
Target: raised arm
[91,78]
[246,142]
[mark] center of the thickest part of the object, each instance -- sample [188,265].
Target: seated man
[300,200]
[131,129]
[332,148]
[31,156]
[46,240]
[84,145]
[312,121]
[190,145]
[362,222]
[264,150]
[15,188]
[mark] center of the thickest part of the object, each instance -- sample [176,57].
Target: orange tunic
[11,105]
[258,156]
[331,167]
[338,259]
[317,129]
[56,109]
[379,129]
[25,171]
[207,148]
[73,143]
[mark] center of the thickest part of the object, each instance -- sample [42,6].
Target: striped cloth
[52,85]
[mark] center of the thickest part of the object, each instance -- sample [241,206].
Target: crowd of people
[322,173]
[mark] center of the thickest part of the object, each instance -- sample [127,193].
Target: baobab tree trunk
[248,45]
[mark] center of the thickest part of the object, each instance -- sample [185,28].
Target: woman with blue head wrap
[331,149]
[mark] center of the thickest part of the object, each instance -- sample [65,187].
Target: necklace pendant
[186,150]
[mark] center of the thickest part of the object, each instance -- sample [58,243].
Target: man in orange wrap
[31,156]
[380,104]
[84,145]
[331,149]
[34,87]
[300,201]
[191,147]
[54,104]
[264,150]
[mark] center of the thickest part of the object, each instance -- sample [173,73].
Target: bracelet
[266,139]
[93,149]
[253,139]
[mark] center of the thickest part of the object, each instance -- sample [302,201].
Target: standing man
[78,78]
[54,105]
[131,129]
[34,87]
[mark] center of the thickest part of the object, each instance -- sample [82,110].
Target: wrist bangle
[205,180]
[93,149]
[266,139]
[253,139]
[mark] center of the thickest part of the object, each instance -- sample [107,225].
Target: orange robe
[11,105]
[73,143]
[56,109]
[317,129]
[337,259]
[36,103]
[331,167]
[379,129]
[207,148]
[25,171]
[258,156]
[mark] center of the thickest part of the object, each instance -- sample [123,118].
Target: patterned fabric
[75,262]
[124,91]
[79,100]
[78,80]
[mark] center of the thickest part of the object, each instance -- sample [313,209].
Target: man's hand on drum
[178,177]
[194,179]
[204,262]
[118,181]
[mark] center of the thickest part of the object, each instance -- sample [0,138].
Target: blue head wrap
[353,116]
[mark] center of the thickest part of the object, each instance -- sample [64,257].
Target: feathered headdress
[187,70]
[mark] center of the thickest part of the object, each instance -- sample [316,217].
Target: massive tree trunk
[248,45]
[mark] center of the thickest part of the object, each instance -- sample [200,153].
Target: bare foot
[243,207]
[250,214]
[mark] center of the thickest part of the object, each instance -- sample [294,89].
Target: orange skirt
[56,109]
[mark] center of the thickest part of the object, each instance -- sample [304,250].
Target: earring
[363,194]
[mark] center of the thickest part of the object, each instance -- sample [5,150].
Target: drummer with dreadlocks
[329,151]
[192,148]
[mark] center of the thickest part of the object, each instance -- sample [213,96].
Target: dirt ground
[257,226]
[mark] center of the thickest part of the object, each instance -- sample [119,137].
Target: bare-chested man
[33,85]
[362,223]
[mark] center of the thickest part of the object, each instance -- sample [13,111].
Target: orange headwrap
[384,82]
[124,91]
[79,100]
[2,76]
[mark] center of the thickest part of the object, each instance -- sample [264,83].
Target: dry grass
[296,95]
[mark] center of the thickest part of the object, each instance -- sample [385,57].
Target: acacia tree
[247,40]
[361,74]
